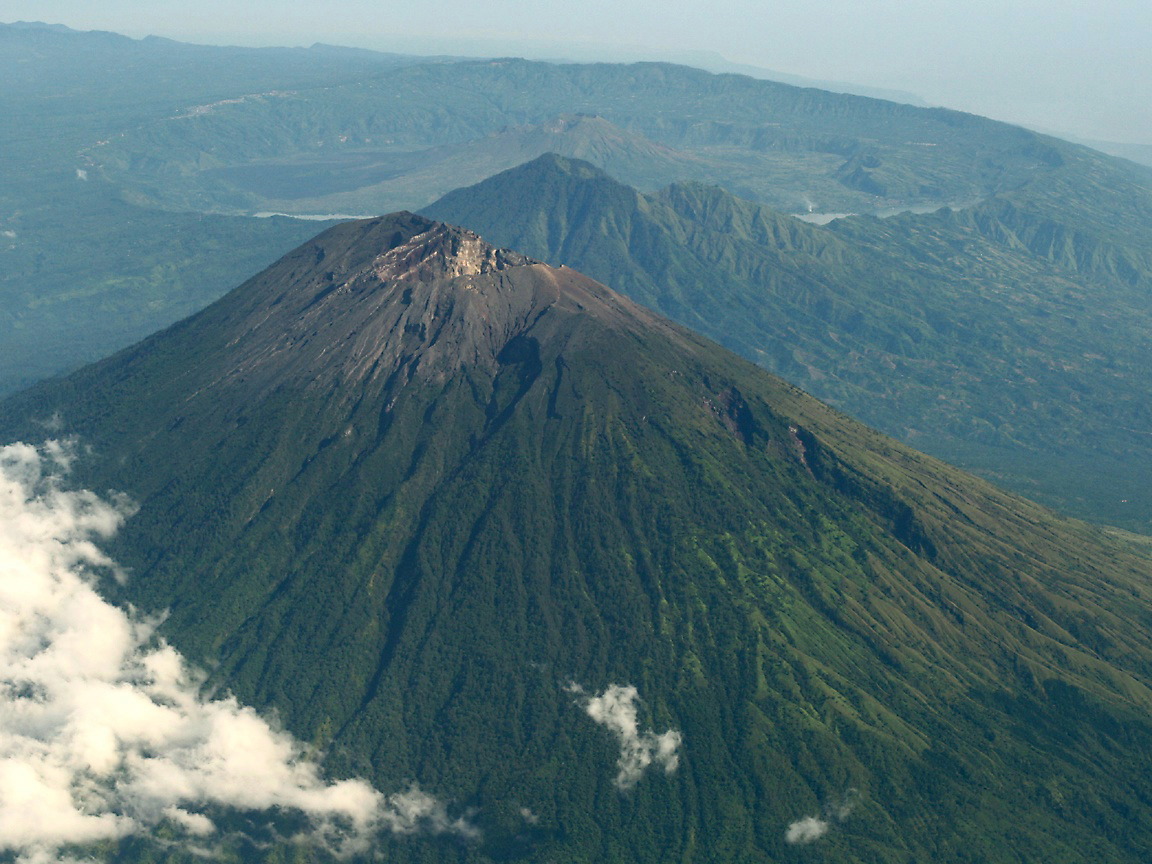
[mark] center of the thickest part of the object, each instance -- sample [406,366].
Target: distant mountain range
[450,511]
[793,148]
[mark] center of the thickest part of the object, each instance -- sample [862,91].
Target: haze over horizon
[1073,69]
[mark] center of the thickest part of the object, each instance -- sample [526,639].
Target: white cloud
[615,709]
[806,830]
[416,810]
[81,174]
[842,809]
[103,733]
[812,828]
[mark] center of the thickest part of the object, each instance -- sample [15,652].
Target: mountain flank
[417,494]
[994,336]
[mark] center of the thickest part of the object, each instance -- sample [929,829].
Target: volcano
[469,520]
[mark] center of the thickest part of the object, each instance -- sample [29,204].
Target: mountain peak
[553,162]
[381,302]
[367,298]
[444,252]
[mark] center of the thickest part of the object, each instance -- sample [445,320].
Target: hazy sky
[1072,66]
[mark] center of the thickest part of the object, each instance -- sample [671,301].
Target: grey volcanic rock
[427,299]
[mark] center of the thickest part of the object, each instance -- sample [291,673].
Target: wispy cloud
[806,830]
[812,828]
[615,709]
[103,732]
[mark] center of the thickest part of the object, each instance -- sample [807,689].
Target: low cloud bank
[103,732]
[615,709]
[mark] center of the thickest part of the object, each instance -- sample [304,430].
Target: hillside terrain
[952,331]
[424,497]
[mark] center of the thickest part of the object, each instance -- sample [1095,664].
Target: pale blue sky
[1071,66]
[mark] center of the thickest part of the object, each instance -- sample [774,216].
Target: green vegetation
[119,274]
[994,337]
[406,514]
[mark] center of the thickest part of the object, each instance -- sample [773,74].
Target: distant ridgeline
[609,591]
